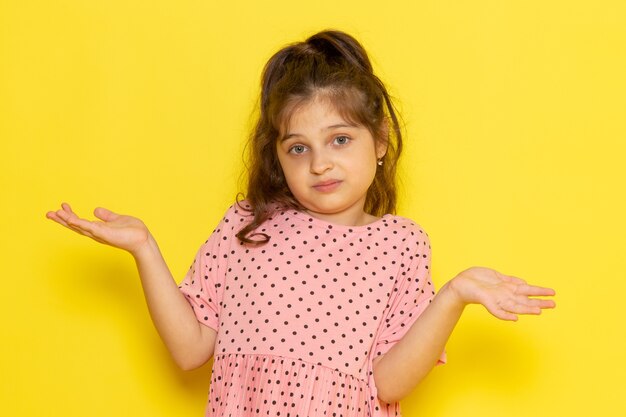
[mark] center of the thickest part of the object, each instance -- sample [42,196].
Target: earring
[380,162]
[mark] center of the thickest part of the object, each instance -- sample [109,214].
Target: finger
[534,302]
[544,303]
[519,308]
[65,212]
[89,229]
[512,279]
[533,290]
[66,208]
[500,312]
[52,215]
[86,227]
[68,214]
[524,305]
[67,218]
[504,315]
[62,218]
[71,220]
[81,231]
[105,214]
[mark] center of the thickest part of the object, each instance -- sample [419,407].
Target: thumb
[105,214]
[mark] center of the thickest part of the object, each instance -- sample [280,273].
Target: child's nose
[320,162]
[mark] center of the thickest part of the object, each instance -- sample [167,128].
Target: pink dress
[300,319]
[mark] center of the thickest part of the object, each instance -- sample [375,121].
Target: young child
[311,295]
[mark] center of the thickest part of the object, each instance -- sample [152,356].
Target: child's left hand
[503,296]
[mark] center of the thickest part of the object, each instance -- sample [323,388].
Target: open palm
[502,295]
[121,231]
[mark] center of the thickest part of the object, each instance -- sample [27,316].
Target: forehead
[318,112]
[315,114]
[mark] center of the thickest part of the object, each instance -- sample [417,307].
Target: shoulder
[403,225]
[406,235]
[238,213]
[234,218]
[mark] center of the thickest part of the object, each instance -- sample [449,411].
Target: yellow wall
[516,121]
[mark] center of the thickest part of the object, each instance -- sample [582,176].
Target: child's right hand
[124,232]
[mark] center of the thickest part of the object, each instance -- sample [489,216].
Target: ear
[382,141]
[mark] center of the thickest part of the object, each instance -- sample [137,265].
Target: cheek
[368,159]
[368,168]
[291,169]
[282,161]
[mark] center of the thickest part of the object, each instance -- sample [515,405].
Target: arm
[398,371]
[190,343]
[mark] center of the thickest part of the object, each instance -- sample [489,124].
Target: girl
[311,294]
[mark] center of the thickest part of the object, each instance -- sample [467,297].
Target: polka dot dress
[300,319]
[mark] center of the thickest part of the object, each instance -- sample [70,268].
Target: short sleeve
[412,292]
[203,283]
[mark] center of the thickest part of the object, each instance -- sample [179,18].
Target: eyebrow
[331,127]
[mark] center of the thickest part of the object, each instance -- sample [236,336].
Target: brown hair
[335,65]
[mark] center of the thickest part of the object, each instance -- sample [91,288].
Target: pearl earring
[380,162]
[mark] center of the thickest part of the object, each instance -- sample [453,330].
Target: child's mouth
[327,186]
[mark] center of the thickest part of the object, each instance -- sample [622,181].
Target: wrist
[453,290]
[145,249]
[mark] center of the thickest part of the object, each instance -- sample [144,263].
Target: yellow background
[515,114]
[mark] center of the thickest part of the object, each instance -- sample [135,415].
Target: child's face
[329,163]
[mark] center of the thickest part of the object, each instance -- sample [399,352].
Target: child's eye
[297,149]
[341,140]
